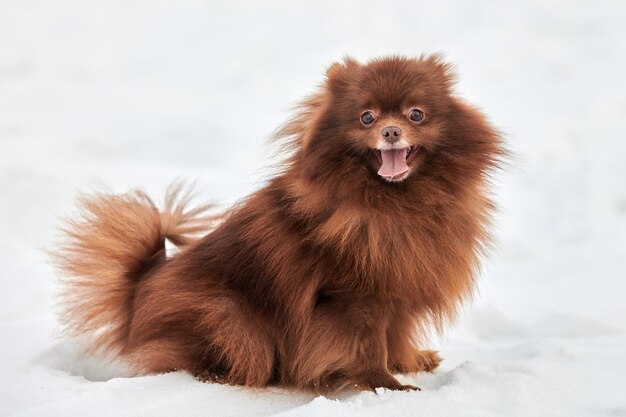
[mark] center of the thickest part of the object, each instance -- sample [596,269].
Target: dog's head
[387,120]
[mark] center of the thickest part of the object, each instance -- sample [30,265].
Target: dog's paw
[385,380]
[428,360]
[421,361]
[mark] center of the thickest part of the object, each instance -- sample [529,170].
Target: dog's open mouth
[394,162]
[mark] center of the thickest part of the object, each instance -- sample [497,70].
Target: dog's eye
[367,118]
[416,115]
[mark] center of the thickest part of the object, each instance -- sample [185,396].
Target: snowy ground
[137,93]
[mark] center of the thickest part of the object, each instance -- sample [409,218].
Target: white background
[139,93]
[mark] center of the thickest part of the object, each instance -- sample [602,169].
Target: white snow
[138,93]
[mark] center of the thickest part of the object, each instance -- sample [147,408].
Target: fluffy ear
[339,74]
[440,70]
[299,129]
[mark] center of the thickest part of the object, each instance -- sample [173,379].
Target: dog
[330,276]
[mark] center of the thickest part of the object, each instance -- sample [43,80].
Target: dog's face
[388,122]
[386,115]
[392,111]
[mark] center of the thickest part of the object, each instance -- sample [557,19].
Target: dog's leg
[404,356]
[242,342]
[212,333]
[344,346]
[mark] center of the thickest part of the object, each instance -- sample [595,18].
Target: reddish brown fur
[329,276]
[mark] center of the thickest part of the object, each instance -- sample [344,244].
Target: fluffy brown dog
[332,274]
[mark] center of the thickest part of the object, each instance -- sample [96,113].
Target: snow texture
[138,93]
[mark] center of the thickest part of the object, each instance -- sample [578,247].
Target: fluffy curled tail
[115,241]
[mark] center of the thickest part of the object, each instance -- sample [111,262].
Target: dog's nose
[391,134]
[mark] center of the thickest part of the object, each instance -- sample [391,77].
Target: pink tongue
[394,163]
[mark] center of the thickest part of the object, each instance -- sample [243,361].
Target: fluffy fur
[330,275]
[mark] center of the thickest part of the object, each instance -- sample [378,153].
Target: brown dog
[329,276]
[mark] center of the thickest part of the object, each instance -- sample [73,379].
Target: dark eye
[367,118]
[416,115]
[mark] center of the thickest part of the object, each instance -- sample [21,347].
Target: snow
[138,93]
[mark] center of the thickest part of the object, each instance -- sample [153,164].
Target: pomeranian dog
[333,274]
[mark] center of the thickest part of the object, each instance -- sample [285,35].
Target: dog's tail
[115,241]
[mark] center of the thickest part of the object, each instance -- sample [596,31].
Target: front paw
[421,361]
[383,380]
[428,360]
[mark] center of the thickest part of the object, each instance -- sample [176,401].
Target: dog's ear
[339,74]
[440,70]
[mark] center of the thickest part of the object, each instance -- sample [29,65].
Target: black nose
[391,134]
